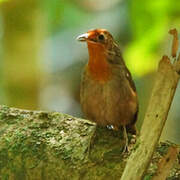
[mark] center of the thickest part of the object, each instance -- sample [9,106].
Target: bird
[108,93]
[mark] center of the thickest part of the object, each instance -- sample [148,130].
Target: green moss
[148,177]
[136,145]
[5,176]
[3,157]
[163,148]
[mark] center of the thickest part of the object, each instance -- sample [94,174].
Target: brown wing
[129,78]
[115,57]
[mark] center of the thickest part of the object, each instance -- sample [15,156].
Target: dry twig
[175,42]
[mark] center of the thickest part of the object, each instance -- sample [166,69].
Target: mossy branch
[51,145]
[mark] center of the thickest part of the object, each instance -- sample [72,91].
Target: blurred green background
[41,61]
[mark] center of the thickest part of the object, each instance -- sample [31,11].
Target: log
[51,145]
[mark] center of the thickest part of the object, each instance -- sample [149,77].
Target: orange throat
[98,66]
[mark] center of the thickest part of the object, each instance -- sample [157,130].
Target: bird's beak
[83,37]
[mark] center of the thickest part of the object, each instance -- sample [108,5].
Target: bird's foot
[126,148]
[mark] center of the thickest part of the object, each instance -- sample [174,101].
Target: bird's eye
[101,37]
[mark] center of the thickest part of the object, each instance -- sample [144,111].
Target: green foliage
[150,22]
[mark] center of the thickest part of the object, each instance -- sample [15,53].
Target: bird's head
[97,37]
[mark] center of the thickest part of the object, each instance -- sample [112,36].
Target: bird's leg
[126,140]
